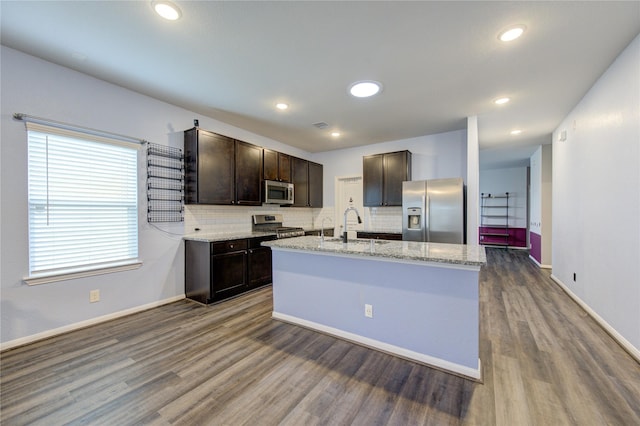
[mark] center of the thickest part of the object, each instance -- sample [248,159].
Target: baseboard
[82,324]
[440,364]
[539,264]
[624,343]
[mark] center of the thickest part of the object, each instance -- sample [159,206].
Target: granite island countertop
[412,251]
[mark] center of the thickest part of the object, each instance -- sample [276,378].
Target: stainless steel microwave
[278,192]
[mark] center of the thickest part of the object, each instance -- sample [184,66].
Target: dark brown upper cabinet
[209,167]
[277,166]
[315,184]
[248,173]
[221,170]
[307,183]
[383,175]
[300,178]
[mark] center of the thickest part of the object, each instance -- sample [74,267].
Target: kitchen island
[416,300]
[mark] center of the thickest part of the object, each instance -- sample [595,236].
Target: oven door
[278,192]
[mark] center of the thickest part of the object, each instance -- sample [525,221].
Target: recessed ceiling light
[282,106]
[364,89]
[511,33]
[516,132]
[166,9]
[335,134]
[501,101]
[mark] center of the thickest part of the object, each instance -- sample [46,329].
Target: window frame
[88,268]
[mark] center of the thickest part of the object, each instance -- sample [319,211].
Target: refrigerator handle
[426,216]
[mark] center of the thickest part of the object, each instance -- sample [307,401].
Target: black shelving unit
[165,184]
[494,219]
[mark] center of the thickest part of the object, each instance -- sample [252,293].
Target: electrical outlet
[94,296]
[368,311]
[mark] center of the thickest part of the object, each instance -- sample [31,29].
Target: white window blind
[83,194]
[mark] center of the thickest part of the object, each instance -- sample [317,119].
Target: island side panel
[426,309]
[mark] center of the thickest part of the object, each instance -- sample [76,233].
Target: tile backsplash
[383,219]
[213,219]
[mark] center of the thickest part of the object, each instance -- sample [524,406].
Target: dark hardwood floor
[545,362]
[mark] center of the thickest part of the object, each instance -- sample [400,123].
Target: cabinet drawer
[228,246]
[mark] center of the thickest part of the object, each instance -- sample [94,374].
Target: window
[83,213]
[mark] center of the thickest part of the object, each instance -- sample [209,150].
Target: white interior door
[349,194]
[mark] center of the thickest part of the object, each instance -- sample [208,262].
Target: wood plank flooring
[545,362]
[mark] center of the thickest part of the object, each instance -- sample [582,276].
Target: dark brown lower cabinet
[379,235]
[259,267]
[216,271]
[229,270]
[328,232]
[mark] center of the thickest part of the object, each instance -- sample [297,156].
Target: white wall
[35,87]
[596,197]
[540,218]
[473,181]
[441,155]
[511,180]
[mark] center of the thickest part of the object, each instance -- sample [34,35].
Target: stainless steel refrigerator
[433,210]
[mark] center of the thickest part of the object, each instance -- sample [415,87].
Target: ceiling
[439,62]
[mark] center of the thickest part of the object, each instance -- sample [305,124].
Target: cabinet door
[215,178]
[228,274]
[248,173]
[277,166]
[260,269]
[209,167]
[372,180]
[284,167]
[315,185]
[396,170]
[270,164]
[300,178]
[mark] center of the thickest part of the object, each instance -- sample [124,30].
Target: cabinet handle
[231,245]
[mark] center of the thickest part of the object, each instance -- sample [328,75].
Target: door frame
[339,210]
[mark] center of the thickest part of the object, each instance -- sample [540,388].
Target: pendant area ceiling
[438,62]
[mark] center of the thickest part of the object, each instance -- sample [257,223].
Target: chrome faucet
[322,229]
[344,234]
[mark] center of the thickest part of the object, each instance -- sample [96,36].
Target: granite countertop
[453,254]
[212,237]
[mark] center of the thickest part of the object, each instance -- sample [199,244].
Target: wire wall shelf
[165,184]
[494,219]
